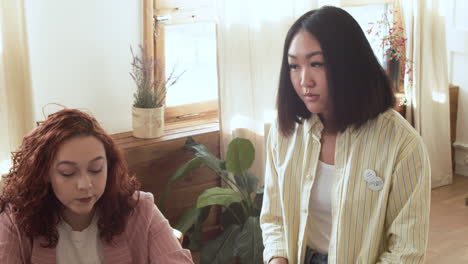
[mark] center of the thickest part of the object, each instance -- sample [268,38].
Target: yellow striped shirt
[384,223]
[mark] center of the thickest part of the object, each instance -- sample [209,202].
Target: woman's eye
[316,64]
[293,67]
[95,171]
[67,174]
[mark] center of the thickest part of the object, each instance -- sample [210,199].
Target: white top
[320,217]
[79,247]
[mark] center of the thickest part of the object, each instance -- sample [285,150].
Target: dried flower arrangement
[150,92]
[390,34]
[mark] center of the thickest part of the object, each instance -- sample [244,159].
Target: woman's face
[308,73]
[78,175]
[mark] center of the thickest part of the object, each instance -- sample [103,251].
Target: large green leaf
[249,243]
[179,174]
[217,195]
[188,219]
[240,156]
[220,250]
[248,183]
[202,152]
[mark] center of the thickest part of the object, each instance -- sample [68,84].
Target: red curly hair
[30,195]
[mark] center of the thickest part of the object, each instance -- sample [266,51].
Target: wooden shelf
[172,131]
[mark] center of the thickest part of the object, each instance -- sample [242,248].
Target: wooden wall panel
[453,101]
[154,161]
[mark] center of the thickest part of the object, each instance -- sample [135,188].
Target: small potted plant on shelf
[150,95]
[241,238]
[390,34]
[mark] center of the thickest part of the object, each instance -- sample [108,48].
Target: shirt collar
[315,126]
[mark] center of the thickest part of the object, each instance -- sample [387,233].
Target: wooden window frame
[156,13]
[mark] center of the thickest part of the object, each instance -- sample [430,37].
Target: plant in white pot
[150,95]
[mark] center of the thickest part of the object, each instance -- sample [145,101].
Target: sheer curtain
[250,43]
[428,96]
[15,84]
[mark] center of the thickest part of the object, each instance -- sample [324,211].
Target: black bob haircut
[358,86]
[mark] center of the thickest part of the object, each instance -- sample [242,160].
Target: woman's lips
[311,97]
[85,200]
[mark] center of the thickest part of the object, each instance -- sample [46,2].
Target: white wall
[457,37]
[80,56]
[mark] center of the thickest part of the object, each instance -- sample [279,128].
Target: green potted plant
[150,95]
[241,237]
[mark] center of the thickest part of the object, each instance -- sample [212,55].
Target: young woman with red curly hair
[70,199]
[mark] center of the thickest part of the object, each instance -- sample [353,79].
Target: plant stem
[227,180]
[234,214]
[248,209]
[225,177]
[249,200]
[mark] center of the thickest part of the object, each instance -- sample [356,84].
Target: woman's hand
[278,261]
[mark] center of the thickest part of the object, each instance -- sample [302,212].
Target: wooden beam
[148,38]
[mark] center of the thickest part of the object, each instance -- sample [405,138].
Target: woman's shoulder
[274,135]
[15,245]
[396,121]
[7,216]
[397,129]
[144,215]
[9,225]
[145,208]
[144,197]
[273,129]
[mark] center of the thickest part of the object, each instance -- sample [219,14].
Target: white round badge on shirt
[375,184]
[369,175]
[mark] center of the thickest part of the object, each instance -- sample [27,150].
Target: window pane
[369,14]
[191,48]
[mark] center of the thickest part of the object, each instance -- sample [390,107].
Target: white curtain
[250,43]
[15,84]
[429,95]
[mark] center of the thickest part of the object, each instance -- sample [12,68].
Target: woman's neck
[76,221]
[329,126]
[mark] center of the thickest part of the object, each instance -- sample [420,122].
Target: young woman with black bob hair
[347,178]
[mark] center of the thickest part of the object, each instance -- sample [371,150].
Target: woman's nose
[84,182]
[307,79]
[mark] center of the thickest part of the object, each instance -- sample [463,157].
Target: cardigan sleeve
[163,246]
[13,246]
